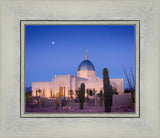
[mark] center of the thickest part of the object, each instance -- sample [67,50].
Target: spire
[86,57]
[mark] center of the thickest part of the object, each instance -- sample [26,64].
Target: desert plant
[78,91]
[94,92]
[28,93]
[114,90]
[87,92]
[39,91]
[57,101]
[94,96]
[81,96]
[107,91]
[101,97]
[87,98]
[76,100]
[29,100]
[90,92]
[42,102]
[71,93]
[131,82]
[127,91]
[130,104]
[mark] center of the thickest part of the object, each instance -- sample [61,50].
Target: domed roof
[86,65]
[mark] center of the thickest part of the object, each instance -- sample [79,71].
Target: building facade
[62,84]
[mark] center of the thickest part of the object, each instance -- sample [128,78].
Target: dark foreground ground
[72,107]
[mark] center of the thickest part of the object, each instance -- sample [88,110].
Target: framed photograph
[49,48]
[61,60]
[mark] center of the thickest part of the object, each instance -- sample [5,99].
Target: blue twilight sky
[108,46]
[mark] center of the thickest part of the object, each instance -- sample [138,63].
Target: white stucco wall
[72,83]
[119,84]
[43,86]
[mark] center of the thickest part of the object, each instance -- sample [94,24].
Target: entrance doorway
[36,92]
[44,93]
[62,91]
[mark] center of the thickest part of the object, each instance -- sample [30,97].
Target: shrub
[101,97]
[127,91]
[29,100]
[57,101]
[42,102]
[76,100]
[78,91]
[70,92]
[130,104]
[114,91]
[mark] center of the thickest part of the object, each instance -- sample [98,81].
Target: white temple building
[63,83]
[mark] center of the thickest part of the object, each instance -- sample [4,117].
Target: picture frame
[136,24]
[12,125]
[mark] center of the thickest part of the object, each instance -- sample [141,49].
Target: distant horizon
[59,49]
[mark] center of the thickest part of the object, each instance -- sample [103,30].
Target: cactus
[107,91]
[81,96]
